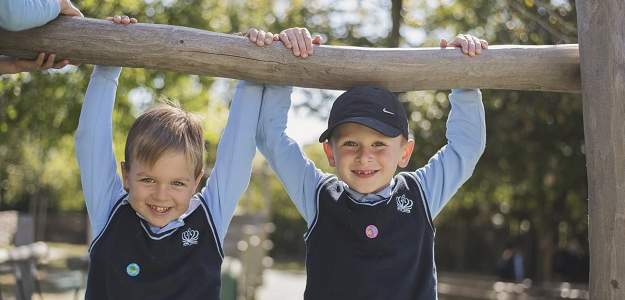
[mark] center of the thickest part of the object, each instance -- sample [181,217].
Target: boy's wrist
[107,71]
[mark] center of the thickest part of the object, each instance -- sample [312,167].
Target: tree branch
[194,51]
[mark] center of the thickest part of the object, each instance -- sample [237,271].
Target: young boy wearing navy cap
[370,232]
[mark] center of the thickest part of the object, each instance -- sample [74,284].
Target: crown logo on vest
[190,237]
[404,204]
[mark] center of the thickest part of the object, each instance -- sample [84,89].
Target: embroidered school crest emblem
[404,204]
[190,237]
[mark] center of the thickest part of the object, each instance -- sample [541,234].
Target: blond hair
[165,129]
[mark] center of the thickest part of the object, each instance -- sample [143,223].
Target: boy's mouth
[159,209]
[364,173]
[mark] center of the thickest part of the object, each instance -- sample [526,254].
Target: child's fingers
[292,36]
[305,40]
[484,44]
[285,39]
[260,40]
[122,19]
[318,40]
[268,38]
[61,64]
[125,19]
[252,34]
[464,42]
[49,63]
[443,43]
[470,44]
[40,59]
[299,41]
[478,46]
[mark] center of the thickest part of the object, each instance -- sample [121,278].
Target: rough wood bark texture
[194,51]
[602,48]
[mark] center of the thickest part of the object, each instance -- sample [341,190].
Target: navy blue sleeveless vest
[128,261]
[371,252]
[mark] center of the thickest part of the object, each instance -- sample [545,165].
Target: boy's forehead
[170,163]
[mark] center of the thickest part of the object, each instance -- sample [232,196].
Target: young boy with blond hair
[155,237]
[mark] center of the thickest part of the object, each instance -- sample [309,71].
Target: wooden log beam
[194,51]
[602,48]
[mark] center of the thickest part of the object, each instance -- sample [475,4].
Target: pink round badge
[371,231]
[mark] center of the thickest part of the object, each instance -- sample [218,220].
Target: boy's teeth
[159,208]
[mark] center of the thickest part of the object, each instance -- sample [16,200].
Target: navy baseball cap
[371,106]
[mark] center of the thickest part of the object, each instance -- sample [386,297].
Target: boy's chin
[366,190]
[157,223]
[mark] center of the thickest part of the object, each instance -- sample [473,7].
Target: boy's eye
[379,144]
[349,143]
[177,183]
[148,180]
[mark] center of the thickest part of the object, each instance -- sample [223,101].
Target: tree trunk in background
[396,8]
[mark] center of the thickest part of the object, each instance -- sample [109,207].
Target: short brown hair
[164,129]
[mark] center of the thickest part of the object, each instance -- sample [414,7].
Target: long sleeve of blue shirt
[102,185]
[444,173]
[16,15]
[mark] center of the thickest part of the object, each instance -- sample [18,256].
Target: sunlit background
[527,196]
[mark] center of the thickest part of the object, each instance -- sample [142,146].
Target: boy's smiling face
[365,159]
[162,192]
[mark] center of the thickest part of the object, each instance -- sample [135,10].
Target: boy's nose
[161,193]
[364,156]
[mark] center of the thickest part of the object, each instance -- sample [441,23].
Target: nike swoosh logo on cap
[388,112]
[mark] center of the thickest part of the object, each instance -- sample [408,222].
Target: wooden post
[602,50]
[188,50]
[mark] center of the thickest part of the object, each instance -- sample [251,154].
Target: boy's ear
[327,148]
[197,180]
[124,174]
[406,153]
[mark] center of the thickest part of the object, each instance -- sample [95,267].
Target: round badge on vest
[133,269]
[371,231]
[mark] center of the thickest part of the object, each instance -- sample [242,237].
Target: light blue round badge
[133,269]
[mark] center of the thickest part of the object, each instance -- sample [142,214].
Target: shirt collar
[370,198]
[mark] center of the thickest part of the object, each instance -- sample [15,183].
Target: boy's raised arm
[453,164]
[101,183]
[297,173]
[237,147]
[94,146]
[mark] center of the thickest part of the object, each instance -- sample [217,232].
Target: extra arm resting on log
[194,51]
